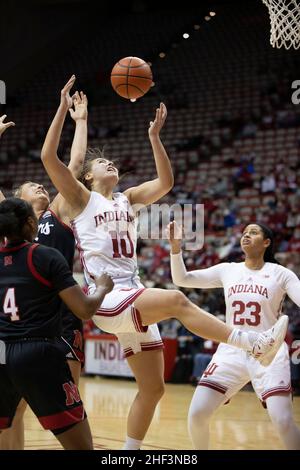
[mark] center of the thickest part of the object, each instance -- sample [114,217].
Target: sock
[132,444]
[242,339]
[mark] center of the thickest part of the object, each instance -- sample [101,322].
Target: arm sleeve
[200,278]
[51,264]
[292,287]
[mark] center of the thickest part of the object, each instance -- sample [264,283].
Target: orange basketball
[131,77]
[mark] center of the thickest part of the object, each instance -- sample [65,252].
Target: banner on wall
[104,356]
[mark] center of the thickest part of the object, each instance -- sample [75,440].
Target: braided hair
[14,213]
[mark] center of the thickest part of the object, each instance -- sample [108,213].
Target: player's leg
[224,376]
[204,403]
[155,305]
[78,437]
[13,437]
[148,369]
[272,385]
[10,398]
[75,368]
[71,344]
[281,414]
[46,383]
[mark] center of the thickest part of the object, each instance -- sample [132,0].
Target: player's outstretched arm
[65,182]
[198,278]
[4,125]
[78,150]
[174,235]
[79,115]
[151,191]
[65,104]
[84,306]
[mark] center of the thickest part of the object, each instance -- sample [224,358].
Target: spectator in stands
[209,257]
[242,178]
[249,130]
[267,183]
[216,221]
[277,217]
[220,188]
[293,218]
[203,358]
[169,328]
[291,179]
[294,243]
[229,218]
[281,182]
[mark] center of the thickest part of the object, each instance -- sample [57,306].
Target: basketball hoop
[285,23]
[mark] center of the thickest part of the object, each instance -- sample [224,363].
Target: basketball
[131,77]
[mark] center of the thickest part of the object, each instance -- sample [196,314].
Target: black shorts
[71,344]
[37,371]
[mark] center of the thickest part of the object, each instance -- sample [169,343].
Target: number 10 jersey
[105,234]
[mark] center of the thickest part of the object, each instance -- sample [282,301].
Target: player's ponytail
[13,214]
[269,253]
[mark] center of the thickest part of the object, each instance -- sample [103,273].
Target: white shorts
[231,368]
[117,315]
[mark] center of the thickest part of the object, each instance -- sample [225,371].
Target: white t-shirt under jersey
[105,233]
[253,297]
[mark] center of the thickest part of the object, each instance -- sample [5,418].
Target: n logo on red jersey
[210,369]
[72,393]
[77,343]
[7,260]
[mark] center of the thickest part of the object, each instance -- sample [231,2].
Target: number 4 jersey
[105,234]
[253,298]
[31,276]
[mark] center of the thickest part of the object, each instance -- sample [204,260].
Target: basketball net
[285,23]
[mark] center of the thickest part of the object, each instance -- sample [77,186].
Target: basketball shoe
[267,343]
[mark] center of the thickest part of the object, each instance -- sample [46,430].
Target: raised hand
[174,235]
[80,106]
[160,117]
[65,98]
[4,125]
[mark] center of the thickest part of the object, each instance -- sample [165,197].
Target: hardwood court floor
[242,424]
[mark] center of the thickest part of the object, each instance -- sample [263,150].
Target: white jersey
[253,298]
[105,234]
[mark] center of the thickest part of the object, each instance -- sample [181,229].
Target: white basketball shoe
[267,343]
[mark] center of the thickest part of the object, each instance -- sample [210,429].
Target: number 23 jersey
[105,234]
[253,298]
